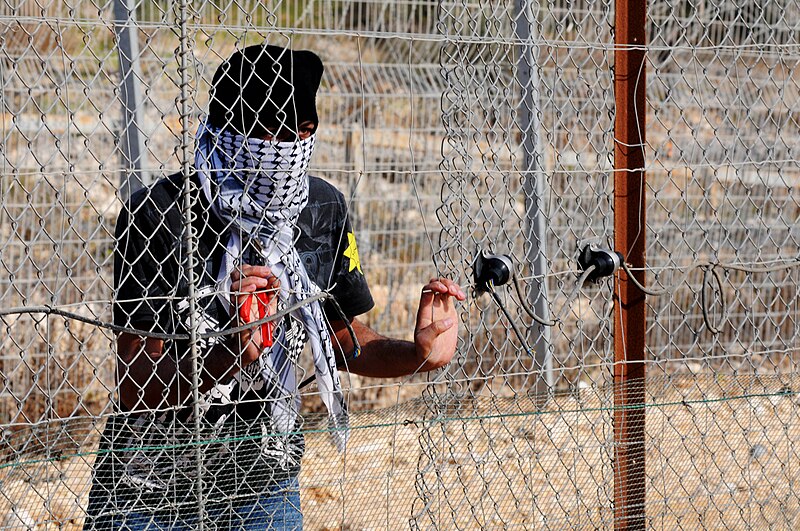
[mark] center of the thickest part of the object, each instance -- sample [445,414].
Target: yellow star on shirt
[352,253]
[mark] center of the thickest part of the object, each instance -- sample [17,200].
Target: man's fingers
[445,286]
[248,270]
[259,276]
[252,283]
[454,289]
[437,297]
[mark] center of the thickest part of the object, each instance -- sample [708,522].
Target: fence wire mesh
[452,128]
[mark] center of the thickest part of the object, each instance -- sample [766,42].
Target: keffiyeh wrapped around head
[258,188]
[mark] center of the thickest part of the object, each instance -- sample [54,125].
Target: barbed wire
[51,310]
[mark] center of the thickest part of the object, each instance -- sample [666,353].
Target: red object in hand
[262,305]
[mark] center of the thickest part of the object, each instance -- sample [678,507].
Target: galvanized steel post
[131,137]
[534,186]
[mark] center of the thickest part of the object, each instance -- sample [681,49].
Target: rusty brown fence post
[629,230]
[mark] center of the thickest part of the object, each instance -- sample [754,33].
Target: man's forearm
[435,337]
[381,357]
[152,380]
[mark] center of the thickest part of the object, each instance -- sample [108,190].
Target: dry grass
[715,459]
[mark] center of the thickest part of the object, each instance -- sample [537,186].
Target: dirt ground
[721,453]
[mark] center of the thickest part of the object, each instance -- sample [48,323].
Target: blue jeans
[278,509]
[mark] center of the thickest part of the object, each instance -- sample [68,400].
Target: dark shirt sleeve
[328,248]
[349,287]
[145,277]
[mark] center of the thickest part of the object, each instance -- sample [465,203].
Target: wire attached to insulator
[535,317]
[567,304]
[595,263]
[491,270]
[705,264]
[710,271]
[505,311]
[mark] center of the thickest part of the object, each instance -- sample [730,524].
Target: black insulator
[491,268]
[605,262]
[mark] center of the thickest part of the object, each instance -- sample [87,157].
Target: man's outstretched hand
[436,332]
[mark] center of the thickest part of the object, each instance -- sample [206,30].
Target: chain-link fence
[452,129]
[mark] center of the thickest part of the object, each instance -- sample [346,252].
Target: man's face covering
[261,184]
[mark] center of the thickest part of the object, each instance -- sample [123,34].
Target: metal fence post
[186,72]
[629,235]
[131,138]
[534,187]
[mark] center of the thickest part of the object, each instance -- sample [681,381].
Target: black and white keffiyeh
[259,187]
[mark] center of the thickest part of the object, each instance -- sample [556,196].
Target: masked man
[266,238]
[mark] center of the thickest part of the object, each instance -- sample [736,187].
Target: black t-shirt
[149,460]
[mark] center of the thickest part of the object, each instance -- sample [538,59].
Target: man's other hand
[246,281]
[436,331]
